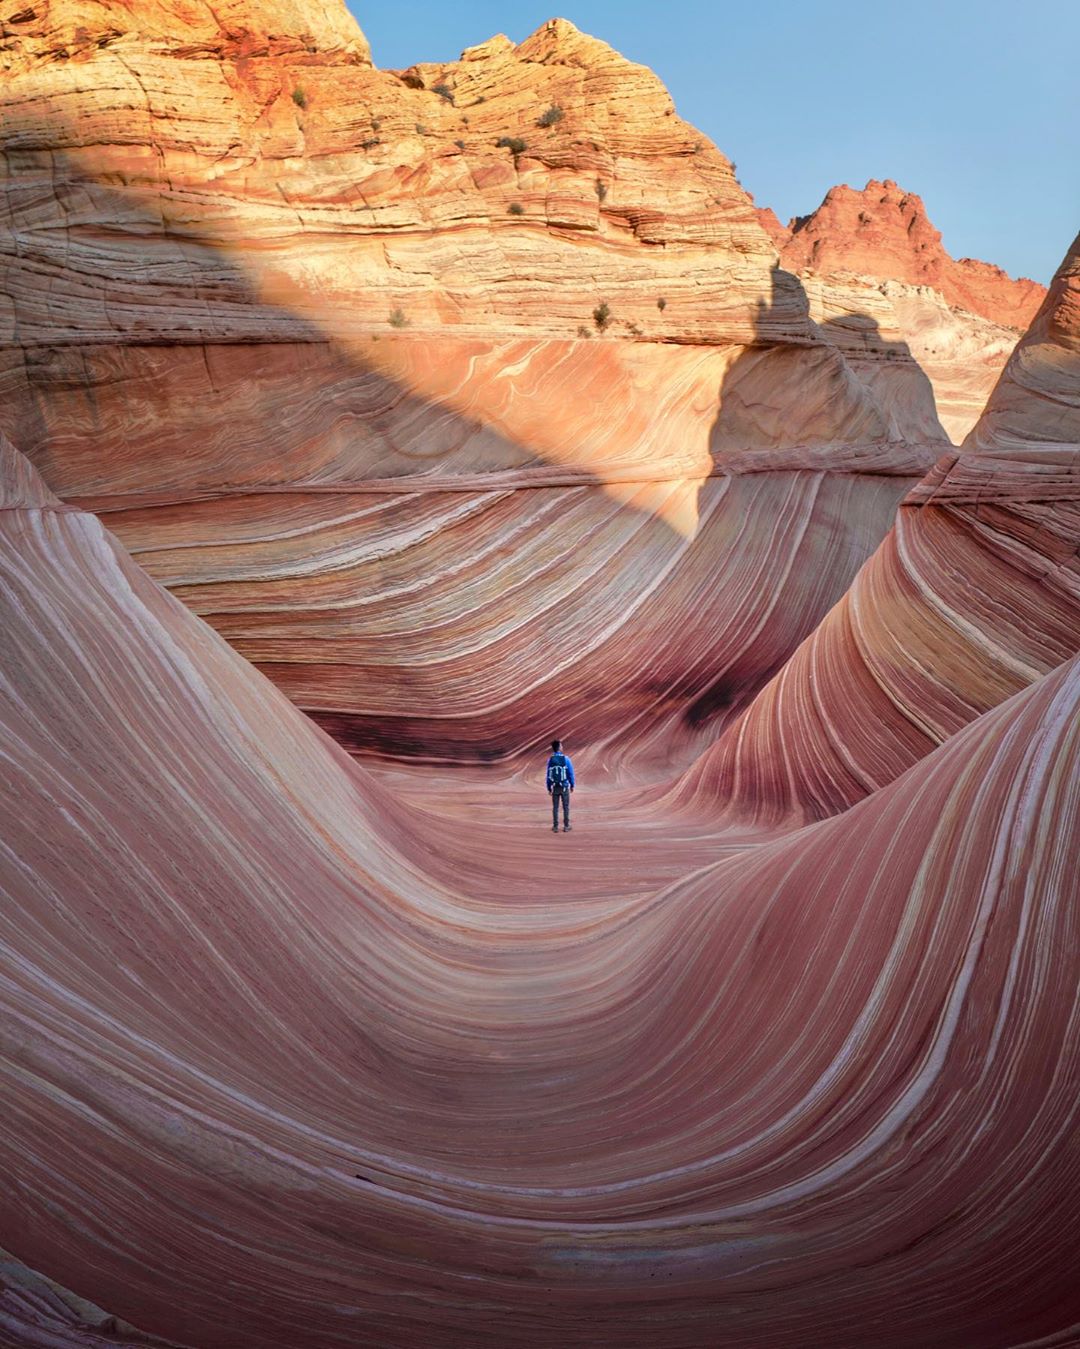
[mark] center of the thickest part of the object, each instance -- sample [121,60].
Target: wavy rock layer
[300,1050]
[974,594]
[284,1082]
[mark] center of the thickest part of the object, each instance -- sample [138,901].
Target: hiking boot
[554,828]
[566,828]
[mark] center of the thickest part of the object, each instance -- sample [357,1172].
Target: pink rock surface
[271,1073]
[304,359]
[974,594]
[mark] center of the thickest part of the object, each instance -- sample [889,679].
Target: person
[560,783]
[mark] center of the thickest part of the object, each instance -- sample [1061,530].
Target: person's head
[556,745]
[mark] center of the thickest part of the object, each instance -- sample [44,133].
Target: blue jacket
[569,768]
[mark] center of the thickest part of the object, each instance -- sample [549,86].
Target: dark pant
[560,794]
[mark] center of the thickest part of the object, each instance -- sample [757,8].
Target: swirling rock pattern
[270,1080]
[302,1048]
[974,594]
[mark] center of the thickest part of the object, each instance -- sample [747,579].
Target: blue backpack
[557,771]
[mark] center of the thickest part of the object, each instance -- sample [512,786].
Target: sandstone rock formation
[303,1048]
[874,254]
[884,231]
[310,327]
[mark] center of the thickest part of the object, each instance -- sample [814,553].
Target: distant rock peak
[884,231]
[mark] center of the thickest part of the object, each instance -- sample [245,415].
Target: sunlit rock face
[1034,413]
[361,364]
[874,254]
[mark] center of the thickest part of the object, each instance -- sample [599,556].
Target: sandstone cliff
[311,327]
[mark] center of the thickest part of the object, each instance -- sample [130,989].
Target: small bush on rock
[514,144]
[397,319]
[515,208]
[602,315]
[444,91]
[552,117]
[299,98]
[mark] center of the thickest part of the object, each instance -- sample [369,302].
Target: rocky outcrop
[76,31]
[874,253]
[883,231]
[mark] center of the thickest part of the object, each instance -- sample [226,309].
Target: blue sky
[970,103]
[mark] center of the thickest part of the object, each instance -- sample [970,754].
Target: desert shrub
[661,304]
[514,144]
[583,331]
[444,91]
[552,117]
[601,189]
[460,145]
[370,143]
[397,319]
[422,130]
[299,98]
[515,208]
[602,315]
[375,123]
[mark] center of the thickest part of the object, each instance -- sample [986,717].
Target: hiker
[560,783]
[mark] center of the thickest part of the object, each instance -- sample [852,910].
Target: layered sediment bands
[305,1048]
[454,624]
[875,266]
[1034,411]
[974,594]
[338,193]
[267,1079]
[38,1313]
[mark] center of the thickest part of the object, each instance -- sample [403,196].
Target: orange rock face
[883,231]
